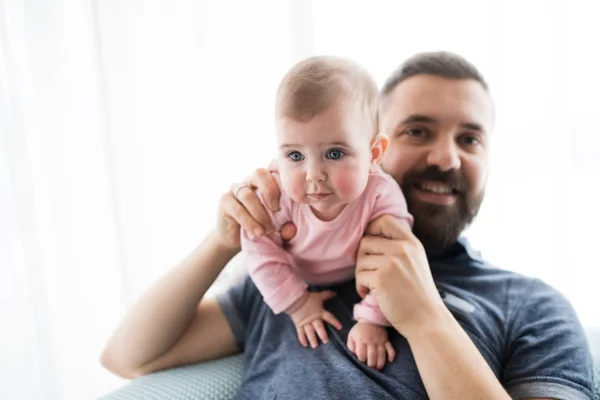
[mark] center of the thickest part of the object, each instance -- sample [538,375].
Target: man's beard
[438,226]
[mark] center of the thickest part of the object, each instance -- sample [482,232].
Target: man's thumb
[288,231]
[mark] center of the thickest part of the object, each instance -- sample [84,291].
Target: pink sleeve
[369,310]
[269,268]
[389,200]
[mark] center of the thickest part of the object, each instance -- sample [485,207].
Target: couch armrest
[214,380]
[593,335]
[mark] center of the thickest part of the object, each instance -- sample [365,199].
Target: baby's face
[325,162]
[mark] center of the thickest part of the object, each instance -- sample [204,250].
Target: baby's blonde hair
[315,84]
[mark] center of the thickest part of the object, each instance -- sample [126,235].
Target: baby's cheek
[350,185]
[293,185]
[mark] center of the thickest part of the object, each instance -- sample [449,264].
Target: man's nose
[315,172]
[445,155]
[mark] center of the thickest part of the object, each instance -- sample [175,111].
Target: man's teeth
[439,189]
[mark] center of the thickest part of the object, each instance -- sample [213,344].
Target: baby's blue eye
[295,156]
[335,154]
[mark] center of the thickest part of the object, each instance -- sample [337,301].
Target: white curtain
[123,122]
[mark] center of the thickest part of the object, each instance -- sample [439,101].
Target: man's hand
[369,342]
[308,316]
[241,207]
[393,268]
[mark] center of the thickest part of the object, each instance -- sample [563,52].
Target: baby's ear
[379,145]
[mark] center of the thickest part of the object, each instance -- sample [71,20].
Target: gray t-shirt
[527,332]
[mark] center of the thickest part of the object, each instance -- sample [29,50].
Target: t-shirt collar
[461,247]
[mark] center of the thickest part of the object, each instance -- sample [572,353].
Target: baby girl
[331,188]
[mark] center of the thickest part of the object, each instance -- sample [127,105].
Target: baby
[331,188]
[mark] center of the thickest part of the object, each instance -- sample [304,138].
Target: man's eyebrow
[473,126]
[418,118]
[411,119]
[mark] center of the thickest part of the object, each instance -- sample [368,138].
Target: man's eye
[470,140]
[295,156]
[334,154]
[415,132]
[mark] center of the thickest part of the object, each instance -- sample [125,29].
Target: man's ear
[379,145]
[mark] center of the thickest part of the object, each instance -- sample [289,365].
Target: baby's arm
[368,338]
[284,291]
[389,202]
[368,310]
[269,269]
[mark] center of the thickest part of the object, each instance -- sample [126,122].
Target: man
[462,329]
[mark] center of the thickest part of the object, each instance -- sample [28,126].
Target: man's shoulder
[519,305]
[504,295]
[518,287]
[463,260]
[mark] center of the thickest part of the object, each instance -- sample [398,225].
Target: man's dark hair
[438,63]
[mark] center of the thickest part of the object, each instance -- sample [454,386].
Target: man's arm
[171,324]
[393,268]
[450,365]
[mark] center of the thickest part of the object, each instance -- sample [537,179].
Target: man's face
[438,152]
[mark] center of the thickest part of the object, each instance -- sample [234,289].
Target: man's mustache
[453,178]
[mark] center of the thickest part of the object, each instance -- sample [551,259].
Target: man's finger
[370,263]
[288,231]
[370,245]
[320,329]
[365,282]
[362,291]
[390,227]
[250,201]
[263,181]
[236,211]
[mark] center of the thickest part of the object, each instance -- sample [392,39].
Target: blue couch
[219,379]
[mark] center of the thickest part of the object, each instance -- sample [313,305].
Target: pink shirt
[322,252]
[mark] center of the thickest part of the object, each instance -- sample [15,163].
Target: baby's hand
[369,342]
[308,316]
